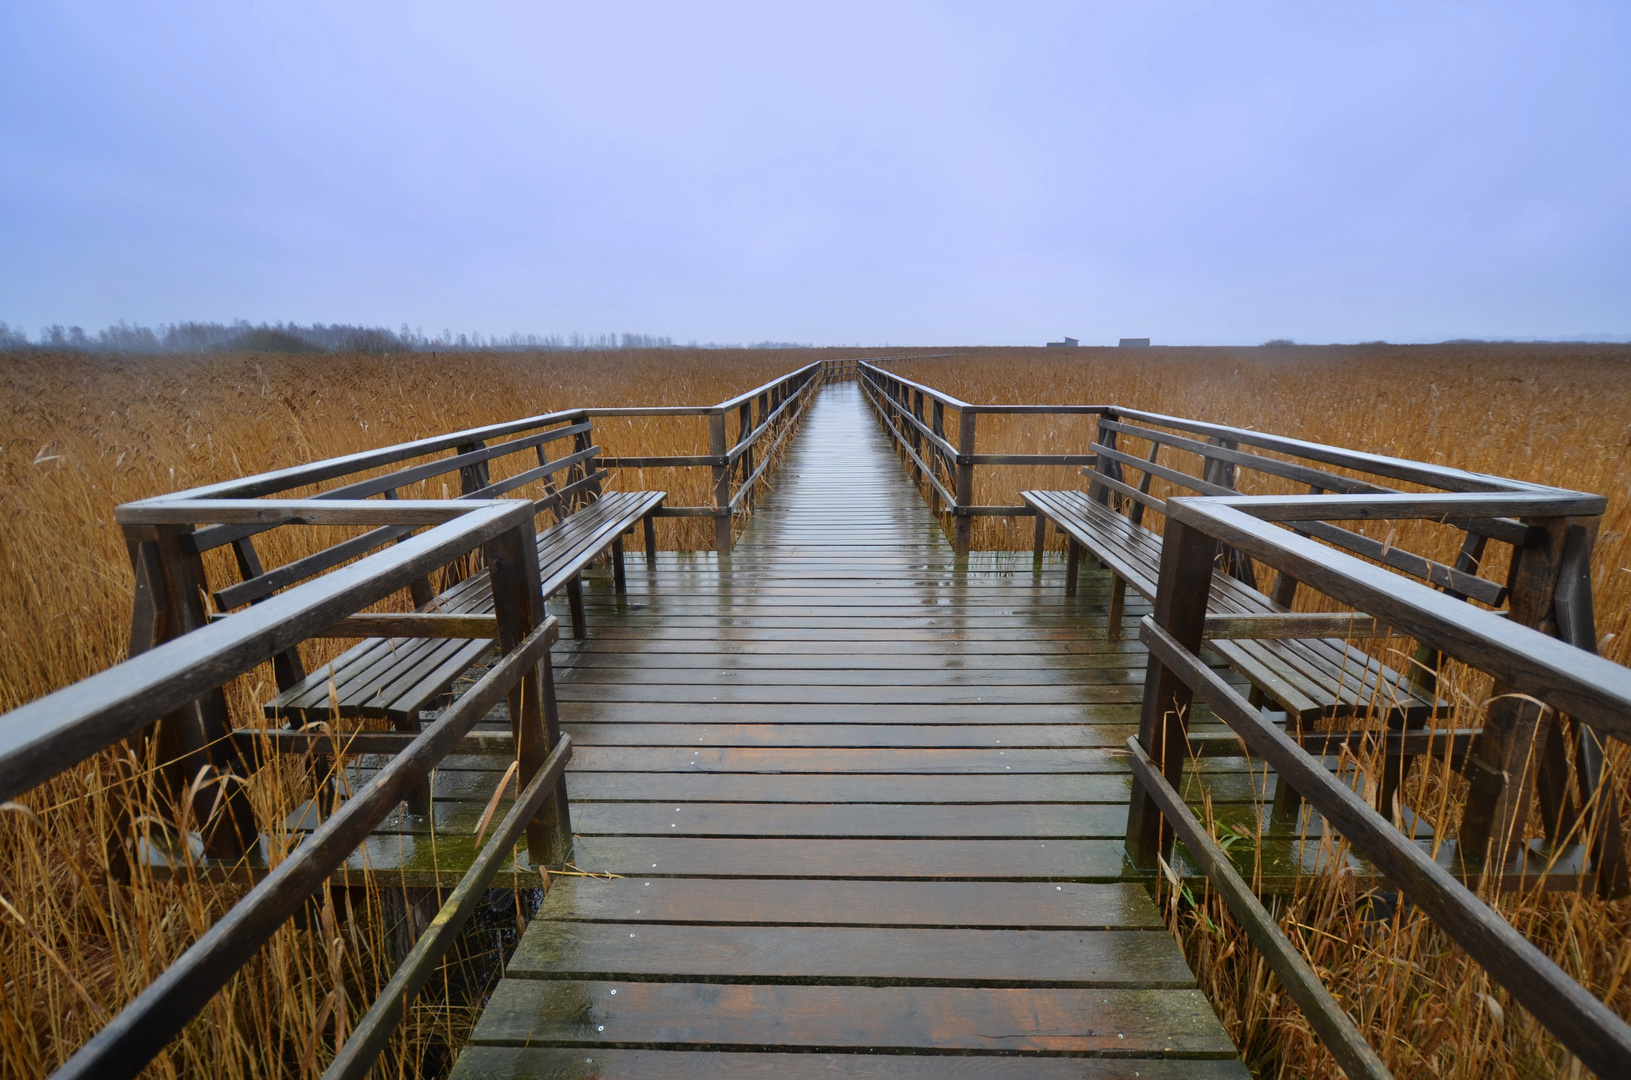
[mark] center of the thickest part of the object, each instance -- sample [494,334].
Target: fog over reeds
[291,337]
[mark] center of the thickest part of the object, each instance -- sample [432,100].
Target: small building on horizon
[1068,343]
[1134,342]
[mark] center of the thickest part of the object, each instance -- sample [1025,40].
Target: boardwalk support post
[917,436]
[962,532]
[512,560]
[722,482]
[1185,584]
[204,769]
[1524,744]
[937,414]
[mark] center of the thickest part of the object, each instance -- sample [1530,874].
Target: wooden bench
[398,678]
[1310,678]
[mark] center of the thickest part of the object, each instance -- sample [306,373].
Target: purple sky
[831,173]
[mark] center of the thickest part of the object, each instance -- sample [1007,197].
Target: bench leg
[620,581]
[325,787]
[651,541]
[1041,538]
[1288,801]
[418,797]
[1396,767]
[1118,605]
[1073,564]
[535,722]
[557,815]
[574,600]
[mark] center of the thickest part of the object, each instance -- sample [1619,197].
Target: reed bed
[1557,414]
[80,434]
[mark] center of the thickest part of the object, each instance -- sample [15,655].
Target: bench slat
[397,678]
[1308,677]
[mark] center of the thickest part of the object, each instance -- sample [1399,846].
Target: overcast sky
[833,173]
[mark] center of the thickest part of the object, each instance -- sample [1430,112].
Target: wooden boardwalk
[847,804]
[856,812]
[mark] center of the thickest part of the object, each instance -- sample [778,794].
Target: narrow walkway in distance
[864,813]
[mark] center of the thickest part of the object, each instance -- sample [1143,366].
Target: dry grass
[81,434]
[1555,414]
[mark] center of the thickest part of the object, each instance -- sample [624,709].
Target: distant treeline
[188,337]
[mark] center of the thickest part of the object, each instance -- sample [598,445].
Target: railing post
[473,478]
[895,422]
[1163,730]
[1222,473]
[744,422]
[1593,803]
[1511,752]
[722,482]
[937,424]
[1504,758]
[917,435]
[195,739]
[963,528]
[512,560]
[891,399]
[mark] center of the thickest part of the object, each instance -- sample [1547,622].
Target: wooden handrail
[883,387]
[1375,464]
[53,733]
[1537,677]
[474,452]
[805,372]
[356,1058]
[132,1038]
[1572,680]
[270,483]
[167,511]
[1211,451]
[1588,1027]
[1416,472]
[1333,1026]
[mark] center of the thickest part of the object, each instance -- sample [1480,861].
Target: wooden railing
[1538,678]
[744,433]
[841,370]
[946,467]
[182,680]
[763,415]
[1553,706]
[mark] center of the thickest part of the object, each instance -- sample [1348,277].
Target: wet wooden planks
[851,809]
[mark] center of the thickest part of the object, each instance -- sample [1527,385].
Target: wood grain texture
[1044,860]
[1022,820]
[540,1063]
[972,904]
[1111,1021]
[872,956]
